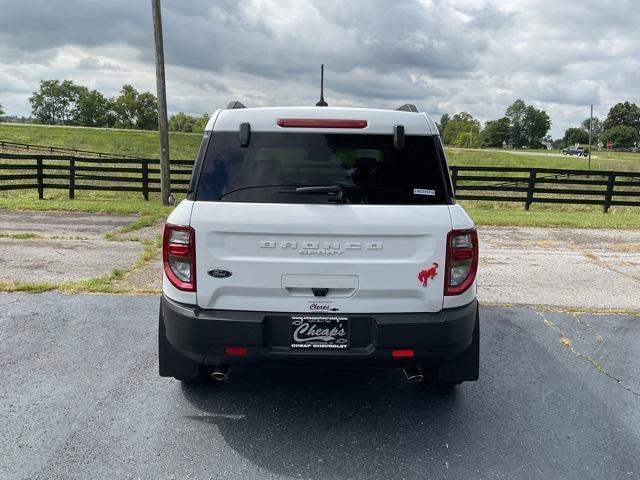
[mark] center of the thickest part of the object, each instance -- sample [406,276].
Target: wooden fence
[7,145]
[547,185]
[74,173]
[505,184]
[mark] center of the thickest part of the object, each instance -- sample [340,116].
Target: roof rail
[408,107]
[232,105]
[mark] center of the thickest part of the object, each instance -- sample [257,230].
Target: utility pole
[590,130]
[163,127]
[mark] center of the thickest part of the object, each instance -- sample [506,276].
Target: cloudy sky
[444,56]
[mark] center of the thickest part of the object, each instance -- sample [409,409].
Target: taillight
[462,261]
[179,256]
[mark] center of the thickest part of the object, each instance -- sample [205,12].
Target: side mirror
[398,137]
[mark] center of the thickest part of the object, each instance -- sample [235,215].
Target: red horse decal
[428,273]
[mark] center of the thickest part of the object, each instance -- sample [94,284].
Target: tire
[173,364]
[463,368]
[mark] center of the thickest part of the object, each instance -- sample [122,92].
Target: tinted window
[367,168]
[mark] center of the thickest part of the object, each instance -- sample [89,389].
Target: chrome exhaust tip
[221,373]
[413,375]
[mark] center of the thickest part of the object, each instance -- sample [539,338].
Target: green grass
[144,221]
[94,202]
[185,145]
[20,236]
[568,216]
[141,143]
[618,161]
[144,143]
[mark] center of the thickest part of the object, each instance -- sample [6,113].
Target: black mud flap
[171,362]
[465,367]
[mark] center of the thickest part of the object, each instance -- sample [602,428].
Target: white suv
[320,236]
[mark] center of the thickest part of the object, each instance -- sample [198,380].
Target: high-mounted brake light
[179,256]
[320,123]
[462,261]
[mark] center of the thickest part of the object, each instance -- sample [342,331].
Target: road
[538,153]
[80,398]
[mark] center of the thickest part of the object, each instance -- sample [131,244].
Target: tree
[623,114]
[93,109]
[443,122]
[528,124]
[537,123]
[201,123]
[125,107]
[1,110]
[575,135]
[496,132]
[135,110]
[147,112]
[182,122]
[55,102]
[596,128]
[470,139]
[515,113]
[557,144]
[461,130]
[621,135]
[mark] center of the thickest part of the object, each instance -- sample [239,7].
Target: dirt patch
[562,267]
[63,224]
[626,247]
[150,233]
[57,261]
[147,277]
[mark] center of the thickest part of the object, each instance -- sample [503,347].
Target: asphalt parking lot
[558,398]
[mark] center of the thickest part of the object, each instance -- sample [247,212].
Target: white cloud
[446,56]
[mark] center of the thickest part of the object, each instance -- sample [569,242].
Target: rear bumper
[202,336]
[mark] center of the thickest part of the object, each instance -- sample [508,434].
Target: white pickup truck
[320,236]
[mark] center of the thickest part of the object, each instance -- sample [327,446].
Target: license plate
[314,332]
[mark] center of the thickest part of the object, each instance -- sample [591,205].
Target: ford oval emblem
[219,273]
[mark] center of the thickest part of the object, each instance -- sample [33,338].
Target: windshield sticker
[424,191]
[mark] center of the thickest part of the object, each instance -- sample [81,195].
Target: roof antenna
[322,103]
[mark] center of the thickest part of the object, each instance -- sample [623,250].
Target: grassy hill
[141,143]
[144,143]
[184,146]
[618,161]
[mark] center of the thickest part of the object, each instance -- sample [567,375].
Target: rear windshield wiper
[335,192]
[249,188]
[339,193]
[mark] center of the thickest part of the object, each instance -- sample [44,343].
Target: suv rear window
[367,169]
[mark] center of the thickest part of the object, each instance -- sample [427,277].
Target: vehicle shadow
[327,423]
[538,411]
